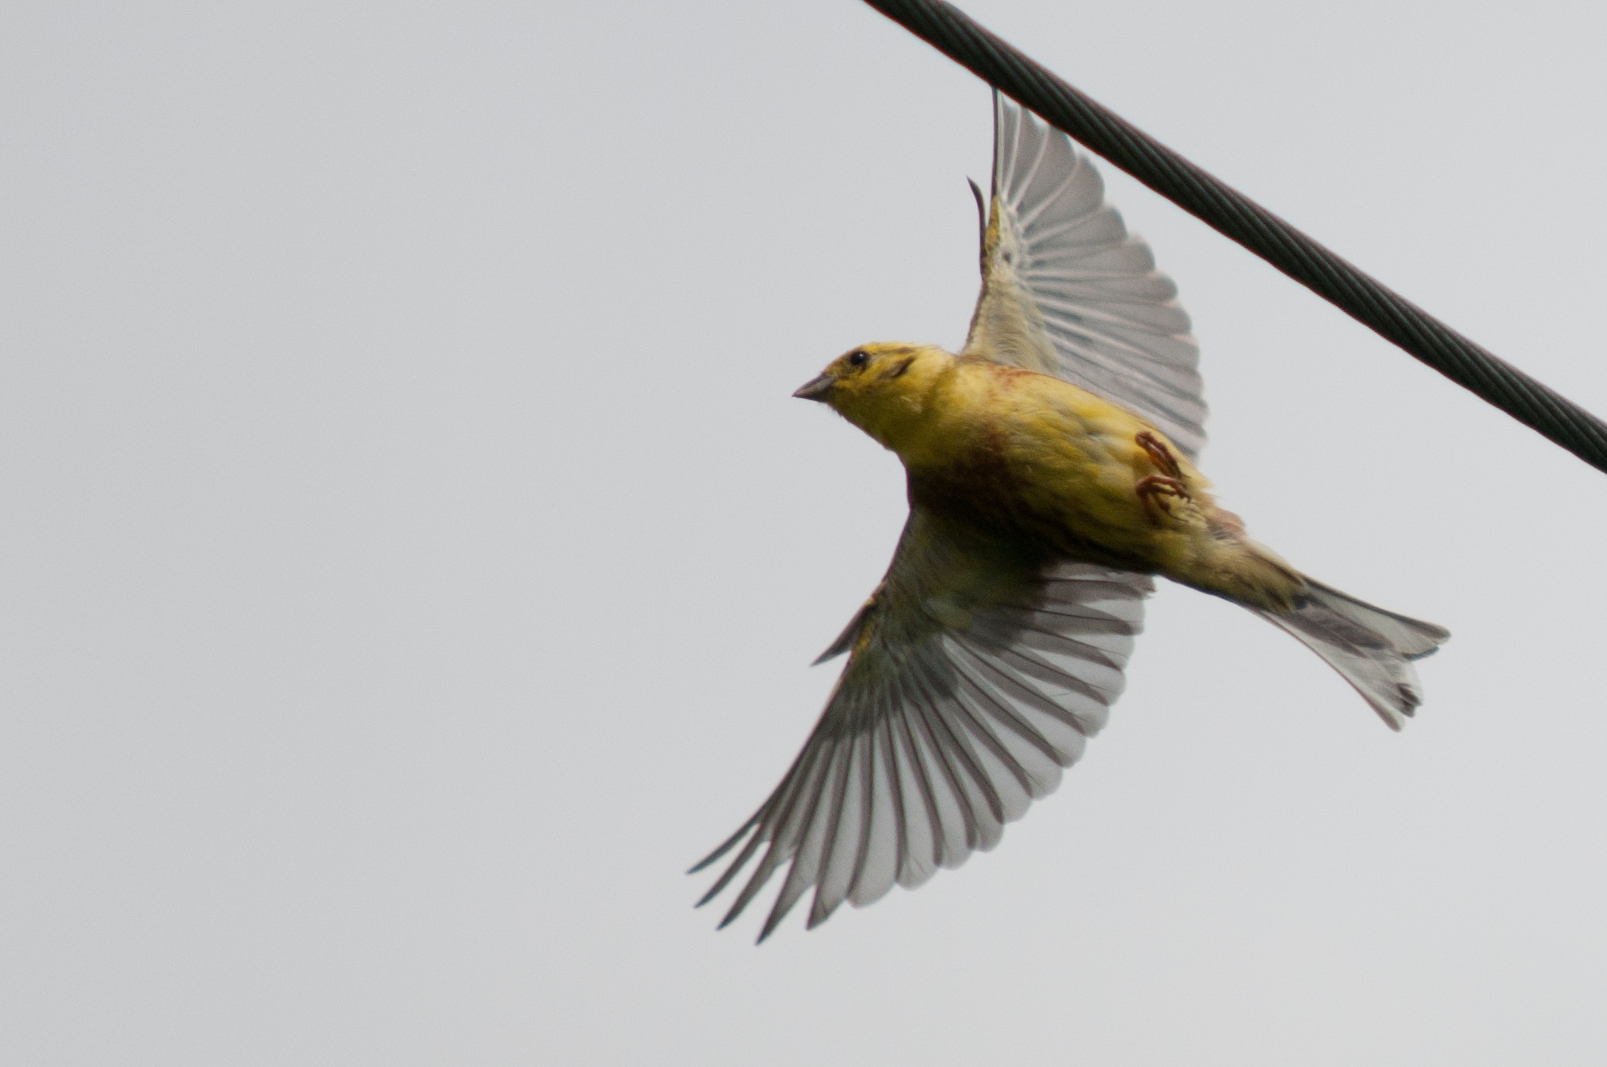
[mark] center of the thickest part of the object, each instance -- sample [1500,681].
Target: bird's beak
[816,389]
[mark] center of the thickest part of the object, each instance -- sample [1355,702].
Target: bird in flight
[1050,471]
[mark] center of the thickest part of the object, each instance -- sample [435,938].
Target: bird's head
[882,388]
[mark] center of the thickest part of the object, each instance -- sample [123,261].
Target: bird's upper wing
[1067,291]
[974,676]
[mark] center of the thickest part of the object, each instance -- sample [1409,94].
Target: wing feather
[956,822]
[923,846]
[805,869]
[877,816]
[840,847]
[877,868]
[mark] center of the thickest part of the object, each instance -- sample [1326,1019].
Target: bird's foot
[1154,491]
[1159,454]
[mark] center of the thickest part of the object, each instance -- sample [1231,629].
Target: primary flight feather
[1050,469]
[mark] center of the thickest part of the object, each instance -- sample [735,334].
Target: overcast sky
[413,557]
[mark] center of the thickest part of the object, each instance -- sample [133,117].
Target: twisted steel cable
[1234,215]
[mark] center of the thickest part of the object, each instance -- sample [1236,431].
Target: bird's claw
[1154,490]
[1159,454]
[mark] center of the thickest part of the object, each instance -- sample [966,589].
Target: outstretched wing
[1067,291]
[973,677]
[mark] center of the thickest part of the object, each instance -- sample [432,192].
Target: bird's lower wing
[974,676]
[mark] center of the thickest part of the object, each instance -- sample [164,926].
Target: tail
[1372,649]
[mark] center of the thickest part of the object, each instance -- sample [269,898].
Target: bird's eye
[857,359]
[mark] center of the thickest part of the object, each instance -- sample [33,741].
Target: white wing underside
[932,741]
[1067,291]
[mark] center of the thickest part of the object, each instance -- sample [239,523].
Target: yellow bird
[1050,471]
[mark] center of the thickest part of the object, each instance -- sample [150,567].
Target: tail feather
[1371,648]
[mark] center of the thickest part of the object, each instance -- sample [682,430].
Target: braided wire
[1239,218]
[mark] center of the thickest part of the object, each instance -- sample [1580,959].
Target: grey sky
[413,555]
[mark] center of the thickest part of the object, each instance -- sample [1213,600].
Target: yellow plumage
[1041,462]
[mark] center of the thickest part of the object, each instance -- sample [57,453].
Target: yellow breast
[1041,459]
